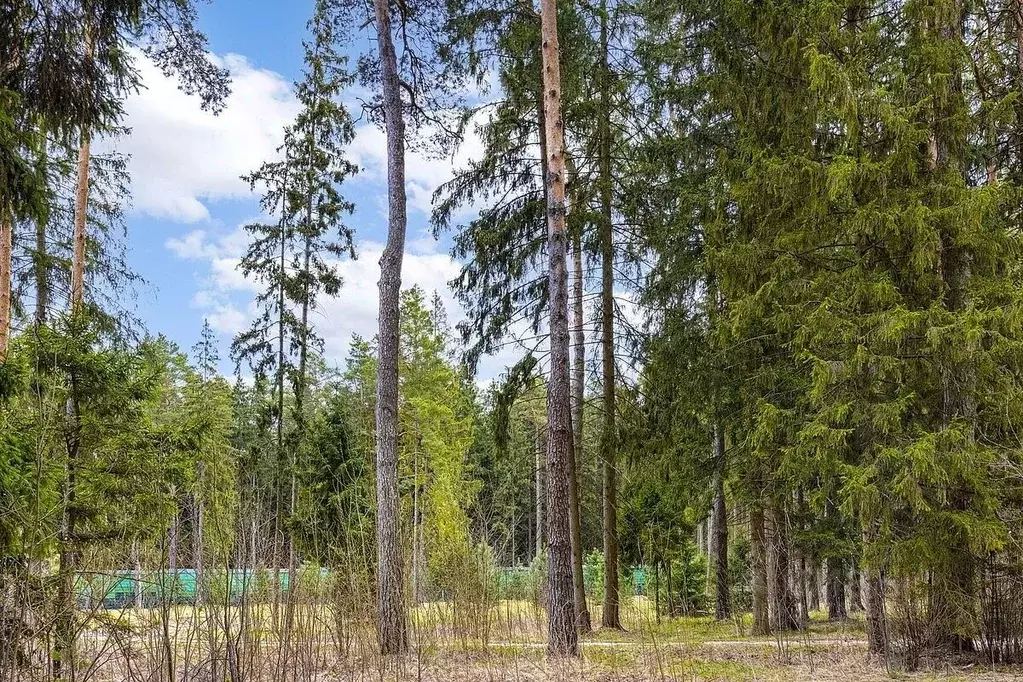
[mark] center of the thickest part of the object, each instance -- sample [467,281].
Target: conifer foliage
[782,377]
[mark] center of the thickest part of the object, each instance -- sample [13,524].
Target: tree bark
[281,309]
[393,617]
[813,577]
[877,626]
[6,249]
[836,588]
[758,551]
[198,556]
[610,618]
[719,539]
[41,266]
[578,351]
[81,213]
[418,543]
[582,611]
[538,471]
[855,588]
[563,638]
[804,597]
[582,615]
[784,603]
[68,561]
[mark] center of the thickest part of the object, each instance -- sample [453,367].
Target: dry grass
[328,646]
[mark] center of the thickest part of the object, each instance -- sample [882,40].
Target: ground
[331,643]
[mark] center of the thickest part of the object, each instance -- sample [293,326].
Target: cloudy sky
[188,202]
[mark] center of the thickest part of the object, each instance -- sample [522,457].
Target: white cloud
[190,247]
[355,310]
[182,156]
[226,295]
[227,319]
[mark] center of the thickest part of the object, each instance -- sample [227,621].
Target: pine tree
[562,636]
[390,572]
[290,256]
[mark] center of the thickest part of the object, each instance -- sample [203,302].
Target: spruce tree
[293,256]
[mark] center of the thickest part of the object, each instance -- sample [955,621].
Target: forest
[761,266]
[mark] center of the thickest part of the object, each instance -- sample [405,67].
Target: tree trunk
[579,351]
[804,598]
[813,577]
[758,552]
[393,617]
[784,603]
[1017,7]
[279,380]
[81,213]
[418,543]
[578,390]
[877,624]
[167,599]
[6,275]
[41,266]
[610,617]
[538,471]
[278,540]
[137,574]
[799,572]
[836,588]
[855,588]
[953,584]
[563,638]
[719,540]
[198,558]
[68,560]
[582,611]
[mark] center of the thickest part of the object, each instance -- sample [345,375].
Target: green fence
[123,589]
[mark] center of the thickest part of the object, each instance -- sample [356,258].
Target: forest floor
[683,663]
[510,647]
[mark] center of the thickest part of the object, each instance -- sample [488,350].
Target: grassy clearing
[506,645]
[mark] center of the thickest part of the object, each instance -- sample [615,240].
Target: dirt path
[724,643]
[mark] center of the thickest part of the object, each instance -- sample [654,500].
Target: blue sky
[188,202]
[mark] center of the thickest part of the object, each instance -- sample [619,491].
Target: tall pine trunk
[610,617]
[81,212]
[68,559]
[541,530]
[582,610]
[418,541]
[6,248]
[41,266]
[719,523]
[393,617]
[279,379]
[563,638]
[69,555]
[40,258]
